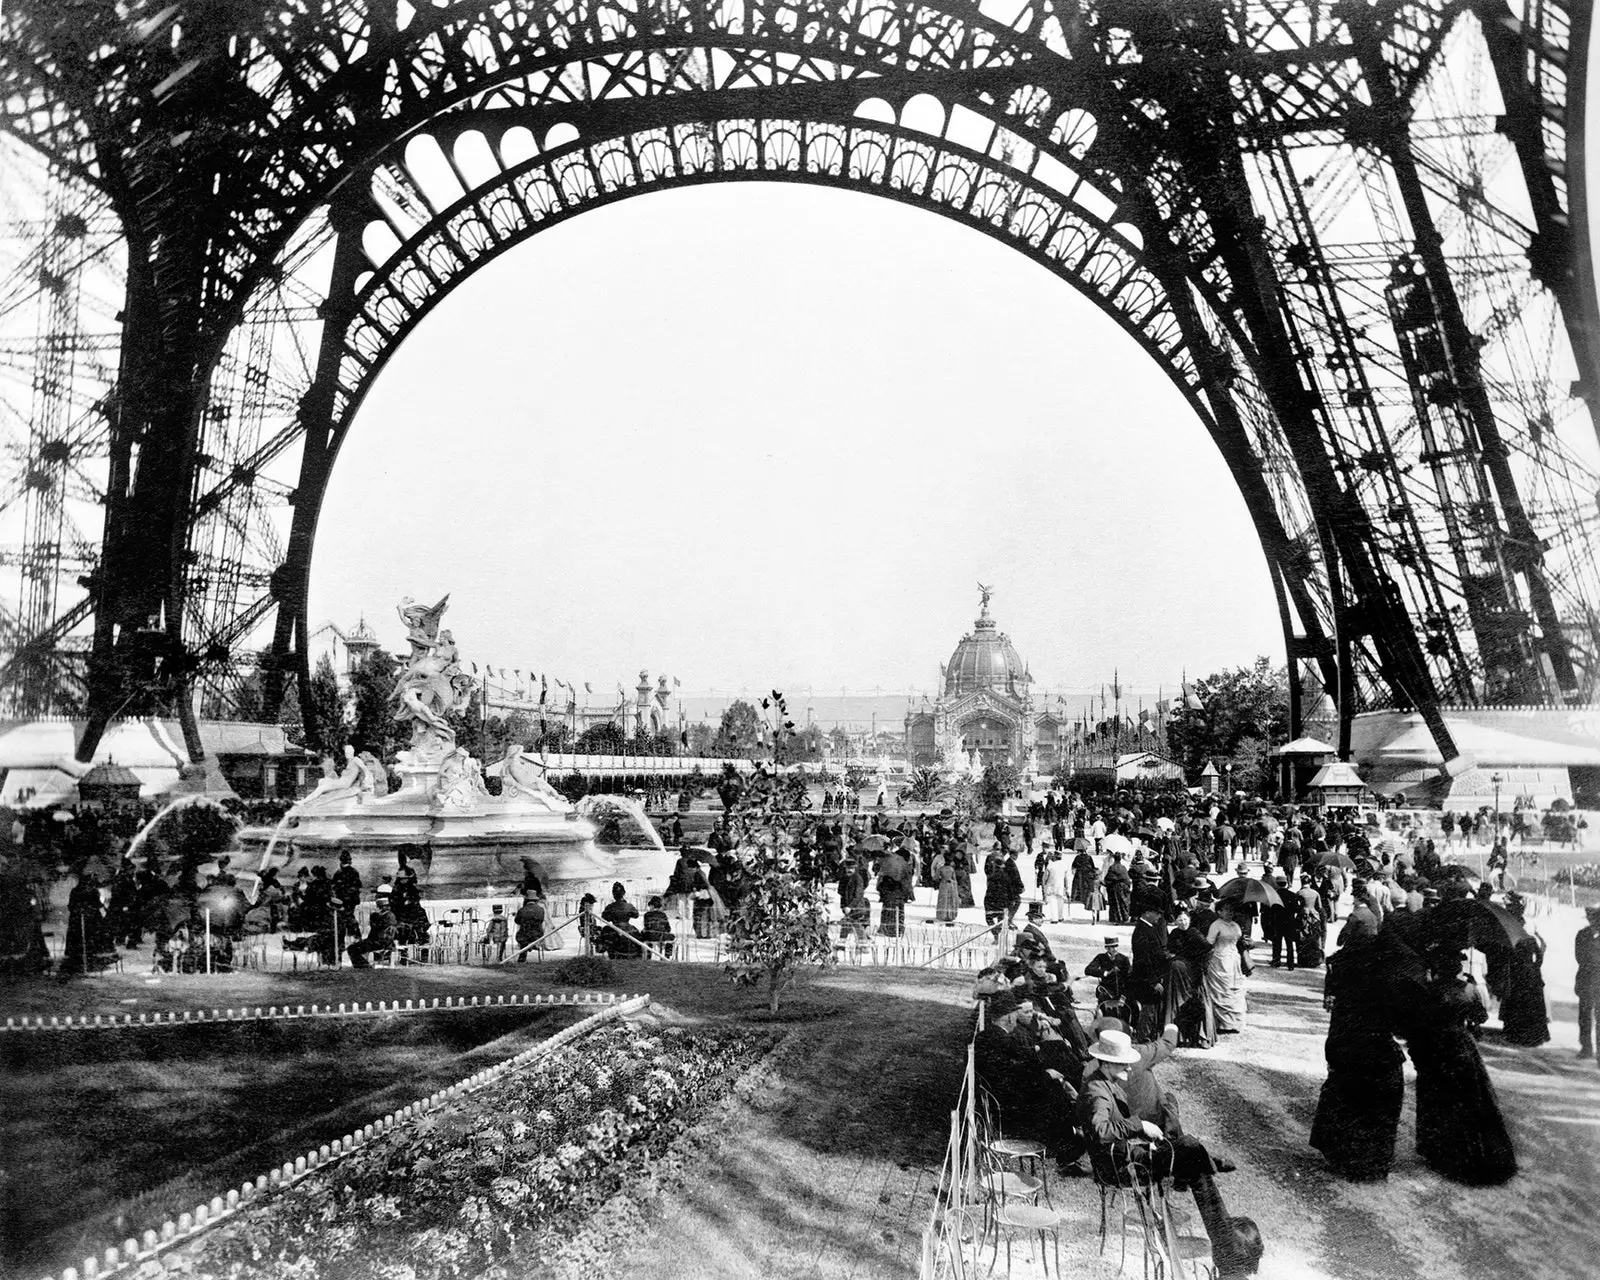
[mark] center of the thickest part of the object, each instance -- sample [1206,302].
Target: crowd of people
[1089,1093]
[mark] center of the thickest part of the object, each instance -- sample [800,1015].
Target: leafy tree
[998,782]
[1245,703]
[782,921]
[374,727]
[741,733]
[857,776]
[327,730]
[702,739]
[603,739]
[802,746]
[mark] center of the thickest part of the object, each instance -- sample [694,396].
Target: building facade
[984,713]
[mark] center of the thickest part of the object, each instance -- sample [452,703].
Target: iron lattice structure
[1351,232]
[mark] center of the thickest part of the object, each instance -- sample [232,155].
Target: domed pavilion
[985,705]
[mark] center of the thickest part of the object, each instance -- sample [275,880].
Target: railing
[951,1239]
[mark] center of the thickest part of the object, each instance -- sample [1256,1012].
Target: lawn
[107,1133]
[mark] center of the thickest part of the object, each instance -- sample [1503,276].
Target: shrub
[585,971]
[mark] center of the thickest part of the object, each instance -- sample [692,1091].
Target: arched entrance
[1254,195]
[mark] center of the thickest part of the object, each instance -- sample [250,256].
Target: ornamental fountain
[461,840]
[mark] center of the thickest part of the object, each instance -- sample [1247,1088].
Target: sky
[773,436]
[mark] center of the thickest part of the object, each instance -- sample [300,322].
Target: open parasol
[1116,842]
[1472,922]
[1249,889]
[872,844]
[1332,859]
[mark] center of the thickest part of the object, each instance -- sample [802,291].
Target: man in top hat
[1204,914]
[1587,946]
[1147,978]
[1280,924]
[380,933]
[1112,968]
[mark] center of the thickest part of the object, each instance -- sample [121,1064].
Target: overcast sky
[764,435]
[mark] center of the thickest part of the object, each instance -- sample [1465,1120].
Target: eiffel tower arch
[1353,234]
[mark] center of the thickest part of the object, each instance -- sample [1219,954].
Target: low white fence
[133,1252]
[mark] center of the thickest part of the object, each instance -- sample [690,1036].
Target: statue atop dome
[984,592]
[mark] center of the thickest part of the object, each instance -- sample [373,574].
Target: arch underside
[1410,570]
[1041,221]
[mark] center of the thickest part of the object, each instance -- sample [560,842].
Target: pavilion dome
[985,659]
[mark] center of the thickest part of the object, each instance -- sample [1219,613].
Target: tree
[374,727]
[741,734]
[1245,703]
[603,739]
[702,739]
[327,730]
[924,785]
[782,921]
[802,746]
[999,781]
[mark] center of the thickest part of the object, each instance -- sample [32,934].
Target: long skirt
[1522,1012]
[949,901]
[1224,984]
[1357,1117]
[1311,943]
[1460,1131]
[964,881]
[1188,1005]
[1082,886]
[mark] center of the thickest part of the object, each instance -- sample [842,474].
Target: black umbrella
[1472,922]
[1249,889]
[1331,859]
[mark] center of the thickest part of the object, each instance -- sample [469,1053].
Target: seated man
[620,940]
[1112,968]
[658,929]
[1034,1096]
[1118,1138]
[380,935]
[1147,1099]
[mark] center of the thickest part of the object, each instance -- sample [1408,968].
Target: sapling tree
[780,924]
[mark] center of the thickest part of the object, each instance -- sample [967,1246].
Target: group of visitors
[1404,981]
[1090,1093]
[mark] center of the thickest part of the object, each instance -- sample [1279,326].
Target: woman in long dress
[1358,1112]
[1188,1004]
[1084,873]
[1460,1131]
[1224,979]
[949,900]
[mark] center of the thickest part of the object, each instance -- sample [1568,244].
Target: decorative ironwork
[1351,234]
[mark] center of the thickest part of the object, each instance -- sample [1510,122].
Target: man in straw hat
[1118,1138]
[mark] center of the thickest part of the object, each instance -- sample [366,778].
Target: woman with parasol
[1516,979]
[1460,1131]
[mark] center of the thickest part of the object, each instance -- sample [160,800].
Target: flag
[587,687]
[474,668]
[676,682]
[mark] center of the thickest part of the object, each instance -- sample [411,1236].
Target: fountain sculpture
[459,837]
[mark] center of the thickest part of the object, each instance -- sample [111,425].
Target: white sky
[772,436]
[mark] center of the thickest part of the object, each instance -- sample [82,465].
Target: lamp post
[1494,835]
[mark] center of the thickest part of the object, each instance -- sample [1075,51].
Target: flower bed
[488,1182]
[1586,875]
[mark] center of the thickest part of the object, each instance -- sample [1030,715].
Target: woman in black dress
[1358,1113]
[1460,1131]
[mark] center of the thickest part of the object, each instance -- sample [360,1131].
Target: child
[497,933]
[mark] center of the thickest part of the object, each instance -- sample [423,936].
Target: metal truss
[1351,234]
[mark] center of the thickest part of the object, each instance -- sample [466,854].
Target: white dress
[1225,975]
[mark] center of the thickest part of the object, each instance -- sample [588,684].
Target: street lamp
[1494,835]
